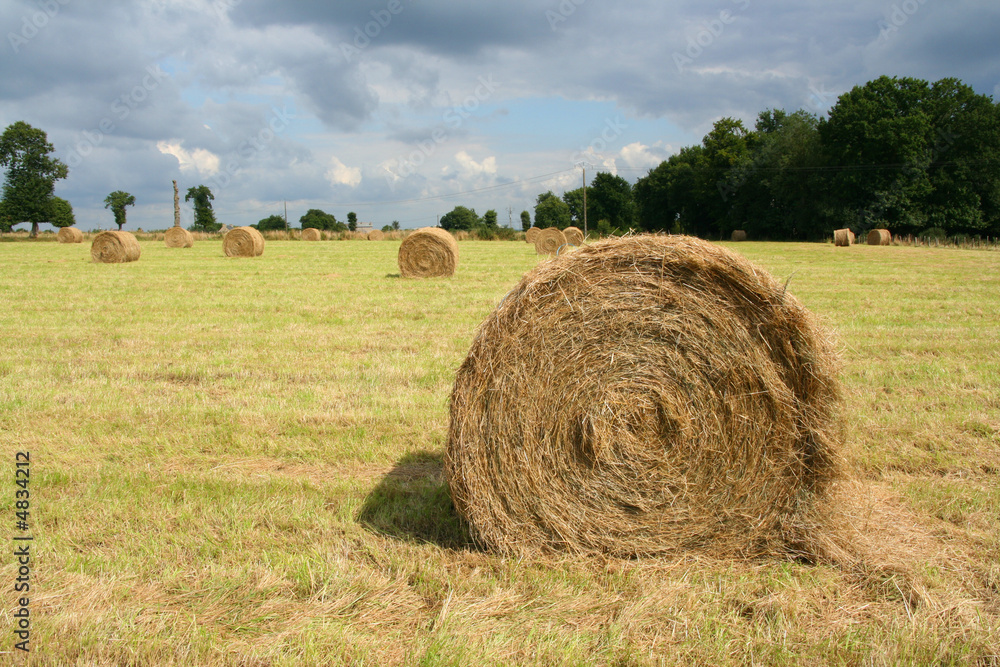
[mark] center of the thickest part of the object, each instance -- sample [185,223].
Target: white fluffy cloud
[340,174]
[205,162]
[488,167]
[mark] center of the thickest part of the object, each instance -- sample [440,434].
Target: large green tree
[31,174]
[460,217]
[320,219]
[876,138]
[62,213]
[525,220]
[117,201]
[204,216]
[609,197]
[271,222]
[781,192]
[550,211]
[490,219]
[352,221]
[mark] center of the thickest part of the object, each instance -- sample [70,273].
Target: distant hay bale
[311,234]
[574,236]
[178,237]
[531,234]
[739,235]
[548,241]
[113,247]
[693,405]
[70,235]
[376,235]
[427,253]
[879,237]
[243,242]
[843,237]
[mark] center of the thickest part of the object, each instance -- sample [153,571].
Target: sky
[400,110]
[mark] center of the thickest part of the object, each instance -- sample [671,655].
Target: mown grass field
[239,462]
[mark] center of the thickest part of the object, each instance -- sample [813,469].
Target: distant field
[239,462]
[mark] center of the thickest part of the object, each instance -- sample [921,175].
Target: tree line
[896,153]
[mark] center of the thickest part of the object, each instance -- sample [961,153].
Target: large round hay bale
[427,253]
[376,235]
[311,234]
[243,242]
[738,235]
[692,405]
[843,237]
[113,247]
[549,240]
[574,235]
[70,235]
[531,234]
[178,237]
[879,237]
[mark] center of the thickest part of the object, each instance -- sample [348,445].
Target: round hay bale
[574,235]
[693,405]
[70,235]
[738,235]
[376,235]
[879,237]
[178,237]
[531,234]
[243,242]
[311,234]
[428,252]
[113,247]
[843,237]
[549,240]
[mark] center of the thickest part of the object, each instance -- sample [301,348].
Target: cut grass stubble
[227,472]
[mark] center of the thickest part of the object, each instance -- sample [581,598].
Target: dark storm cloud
[440,27]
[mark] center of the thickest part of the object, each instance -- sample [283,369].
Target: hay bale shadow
[413,503]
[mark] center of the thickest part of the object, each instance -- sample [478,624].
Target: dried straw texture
[428,253]
[739,235]
[70,235]
[843,237]
[113,247]
[243,242]
[311,234]
[879,237]
[549,240]
[376,235]
[693,406]
[178,237]
[531,234]
[574,235]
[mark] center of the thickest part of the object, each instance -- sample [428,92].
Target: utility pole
[584,167]
[286,216]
